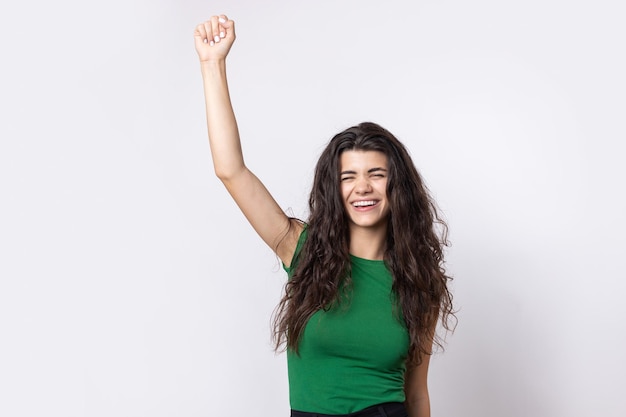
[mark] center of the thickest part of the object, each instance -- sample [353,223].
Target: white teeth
[363,203]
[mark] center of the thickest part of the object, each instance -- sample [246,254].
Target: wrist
[212,62]
[213,69]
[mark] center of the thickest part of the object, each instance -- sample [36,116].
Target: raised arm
[213,40]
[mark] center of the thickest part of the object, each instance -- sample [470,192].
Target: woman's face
[363,176]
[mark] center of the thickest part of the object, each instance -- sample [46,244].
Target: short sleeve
[289,269]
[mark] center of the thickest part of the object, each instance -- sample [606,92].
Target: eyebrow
[369,171]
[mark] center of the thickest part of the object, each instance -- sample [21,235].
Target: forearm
[416,389]
[419,407]
[221,123]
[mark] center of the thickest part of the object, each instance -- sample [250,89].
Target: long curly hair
[416,236]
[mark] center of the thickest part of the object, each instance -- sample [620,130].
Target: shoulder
[291,243]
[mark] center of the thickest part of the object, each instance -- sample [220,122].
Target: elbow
[222,175]
[417,396]
[418,406]
[227,175]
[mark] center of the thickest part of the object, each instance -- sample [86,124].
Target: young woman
[366,280]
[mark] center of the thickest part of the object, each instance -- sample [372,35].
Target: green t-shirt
[352,356]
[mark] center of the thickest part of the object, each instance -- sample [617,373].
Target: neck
[368,242]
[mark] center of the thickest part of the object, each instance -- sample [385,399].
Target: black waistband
[379,410]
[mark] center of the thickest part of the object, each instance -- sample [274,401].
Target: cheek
[383,190]
[345,191]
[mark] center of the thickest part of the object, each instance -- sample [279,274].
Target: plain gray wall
[132,286]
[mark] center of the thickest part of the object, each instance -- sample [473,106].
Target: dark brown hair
[416,236]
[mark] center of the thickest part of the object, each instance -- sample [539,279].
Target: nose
[363,186]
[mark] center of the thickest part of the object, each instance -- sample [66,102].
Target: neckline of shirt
[365,260]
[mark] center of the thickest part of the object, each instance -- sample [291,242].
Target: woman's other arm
[416,382]
[213,40]
[416,390]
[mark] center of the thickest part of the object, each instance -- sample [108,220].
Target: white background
[132,286]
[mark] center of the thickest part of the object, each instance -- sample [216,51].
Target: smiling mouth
[365,203]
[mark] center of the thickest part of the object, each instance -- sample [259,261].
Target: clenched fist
[214,38]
